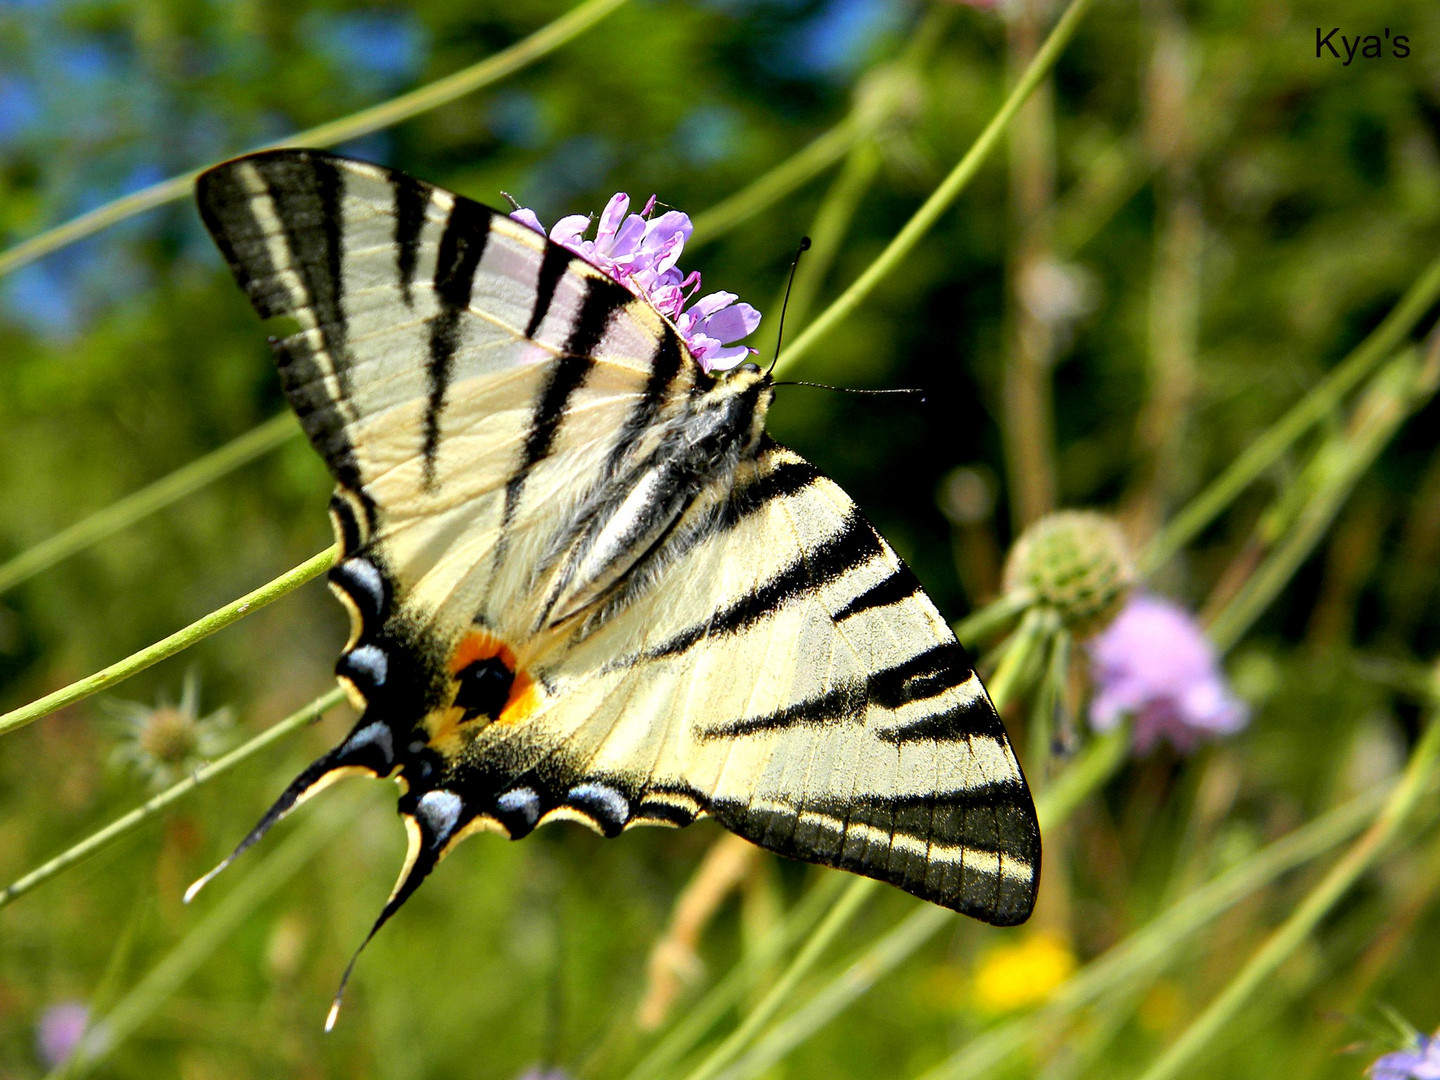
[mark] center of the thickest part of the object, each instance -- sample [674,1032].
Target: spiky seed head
[1076,562]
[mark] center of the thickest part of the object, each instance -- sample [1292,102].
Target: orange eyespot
[480,645]
[486,668]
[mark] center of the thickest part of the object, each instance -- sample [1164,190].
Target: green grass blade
[697,1019]
[162,981]
[851,900]
[943,196]
[1395,393]
[1259,971]
[1145,951]
[1303,415]
[166,647]
[127,823]
[492,69]
[125,512]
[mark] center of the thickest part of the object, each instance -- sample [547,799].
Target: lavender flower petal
[1155,664]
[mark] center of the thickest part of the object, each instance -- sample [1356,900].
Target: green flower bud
[1076,562]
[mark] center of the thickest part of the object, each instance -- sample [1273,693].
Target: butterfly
[584,584]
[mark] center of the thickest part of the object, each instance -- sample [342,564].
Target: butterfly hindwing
[583,583]
[788,675]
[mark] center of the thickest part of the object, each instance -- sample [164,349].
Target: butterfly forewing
[583,584]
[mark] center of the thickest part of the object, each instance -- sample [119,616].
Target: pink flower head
[59,1032]
[1154,663]
[1420,1063]
[641,252]
[711,323]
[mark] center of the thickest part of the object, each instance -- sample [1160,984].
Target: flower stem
[165,978]
[993,617]
[169,646]
[1259,971]
[128,823]
[1393,396]
[1316,405]
[123,513]
[1145,951]
[492,69]
[949,189]
[1094,765]
[851,900]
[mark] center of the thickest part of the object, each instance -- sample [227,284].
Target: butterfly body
[583,583]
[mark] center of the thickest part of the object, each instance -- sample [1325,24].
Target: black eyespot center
[484,688]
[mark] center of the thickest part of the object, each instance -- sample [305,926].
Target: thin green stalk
[830,225]
[123,513]
[1145,952]
[1337,467]
[1309,410]
[161,982]
[1023,652]
[877,101]
[440,92]
[840,991]
[856,893]
[1259,971]
[993,617]
[1091,768]
[772,186]
[699,1018]
[182,639]
[129,822]
[944,195]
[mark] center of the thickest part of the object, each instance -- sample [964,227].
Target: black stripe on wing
[924,675]
[844,702]
[304,191]
[855,544]
[411,199]
[603,300]
[462,245]
[553,265]
[899,586]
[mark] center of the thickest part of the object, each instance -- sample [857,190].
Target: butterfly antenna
[780,333]
[851,390]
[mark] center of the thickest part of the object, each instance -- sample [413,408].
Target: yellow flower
[1026,972]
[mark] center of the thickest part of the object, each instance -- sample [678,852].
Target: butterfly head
[735,404]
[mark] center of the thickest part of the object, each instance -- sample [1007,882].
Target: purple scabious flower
[59,1031]
[641,252]
[1420,1063]
[1154,663]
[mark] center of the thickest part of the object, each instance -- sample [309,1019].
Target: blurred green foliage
[1221,217]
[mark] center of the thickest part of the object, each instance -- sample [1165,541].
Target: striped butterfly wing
[439,347]
[788,676]
[582,584]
